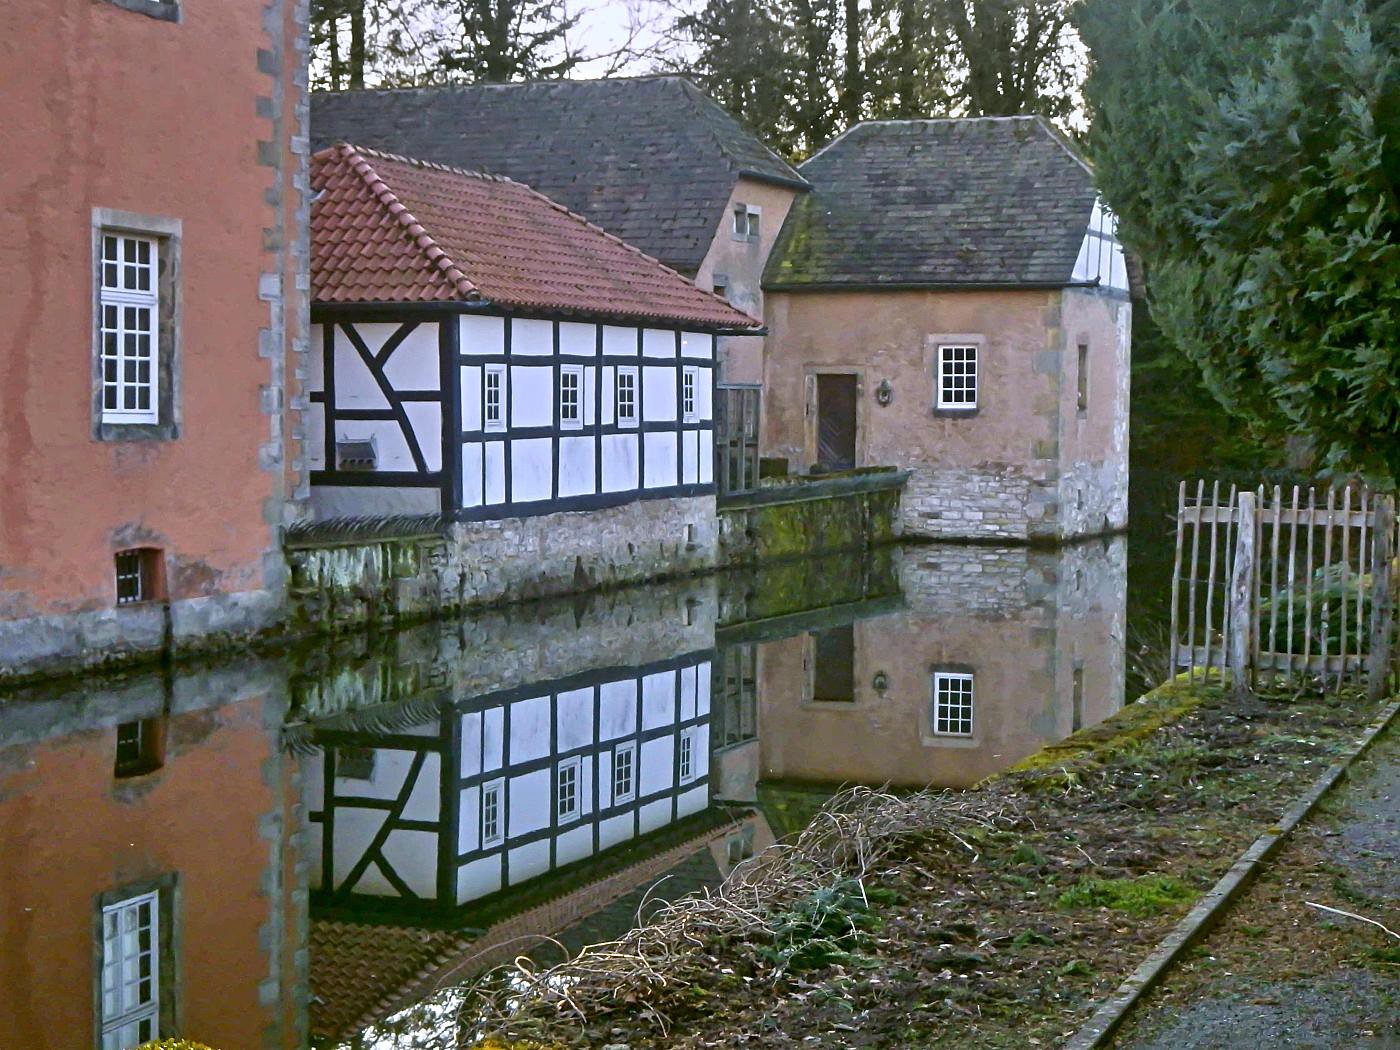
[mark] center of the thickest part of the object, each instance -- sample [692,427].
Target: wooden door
[836,421]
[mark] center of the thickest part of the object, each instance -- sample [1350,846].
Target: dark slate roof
[999,201]
[650,159]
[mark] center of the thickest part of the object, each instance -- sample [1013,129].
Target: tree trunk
[853,82]
[357,45]
[337,65]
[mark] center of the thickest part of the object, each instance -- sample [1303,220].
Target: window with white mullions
[566,790]
[624,773]
[690,378]
[686,771]
[952,703]
[571,397]
[492,811]
[957,377]
[130,972]
[494,414]
[129,309]
[627,396]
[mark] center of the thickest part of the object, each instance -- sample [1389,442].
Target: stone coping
[801,490]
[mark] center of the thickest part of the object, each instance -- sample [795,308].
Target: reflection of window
[139,748]
[952,703]
[624,773]
[495,415]
[355,763]
[687,757]
[130,972]
[571,397]
[492,797]
[689,378]
[566,790]
[834,665]
[627,396]
[957,377]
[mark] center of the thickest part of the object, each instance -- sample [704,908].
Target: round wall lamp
[880,683]
[884,393]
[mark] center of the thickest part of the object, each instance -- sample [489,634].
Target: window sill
[161,10]
[136,431]
[956,412]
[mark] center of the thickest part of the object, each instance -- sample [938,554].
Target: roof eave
[922,286]
[801,185]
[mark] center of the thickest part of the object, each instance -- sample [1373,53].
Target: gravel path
[1278,973]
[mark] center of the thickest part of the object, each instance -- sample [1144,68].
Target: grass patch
[1145,895]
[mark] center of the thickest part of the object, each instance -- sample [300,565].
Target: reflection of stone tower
[996,652]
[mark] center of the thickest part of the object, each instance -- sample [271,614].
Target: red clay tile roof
[386,229]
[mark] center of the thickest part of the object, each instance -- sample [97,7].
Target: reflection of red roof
[389,229]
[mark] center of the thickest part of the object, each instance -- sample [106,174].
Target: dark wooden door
[836,422]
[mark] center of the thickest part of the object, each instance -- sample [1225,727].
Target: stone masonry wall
[990,502]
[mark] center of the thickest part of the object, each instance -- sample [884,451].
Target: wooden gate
[1283,583]
[736,437]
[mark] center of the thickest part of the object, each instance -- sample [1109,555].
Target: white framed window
[957,377]
[493,407]
[566,790]
[129,327]
[686,763]
[952,703]
[571,397]
[131,972]
[627,395]
[624,773]
[748,220]
[690,379]
[493,823]
[135,574]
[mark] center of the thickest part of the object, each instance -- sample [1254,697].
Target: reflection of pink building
[148,873]
[997,652]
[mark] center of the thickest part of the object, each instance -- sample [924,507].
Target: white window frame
[498,424]
[620,796]
[575,767]
[943,713]
[497,789]
[122,302]
[690,391]
[950,355]
[685,757]
[575,372]
[121,1020]
[747,222]
[633,373]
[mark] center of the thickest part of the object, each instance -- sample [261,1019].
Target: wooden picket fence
[1276,582]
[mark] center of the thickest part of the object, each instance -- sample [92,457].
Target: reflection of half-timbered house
[486,355]
[499,789]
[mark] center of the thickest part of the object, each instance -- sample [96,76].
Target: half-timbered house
[493,360]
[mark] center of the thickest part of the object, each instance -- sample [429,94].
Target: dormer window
[747,222]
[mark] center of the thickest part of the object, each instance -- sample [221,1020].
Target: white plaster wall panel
[590,395]
[573,719]
[617,709]
[315,435]
[690,457]
[413,857]
[472,452]
[704,394]
[354,385]
[654,815]
[702,688]
[315,360]
[313,776]
[615,829]
[619,340]
[576,470]
[415,363]
[493,735]
[386,779]
[658,343]
[425,417]
[659,394]
[530,802]
[478,878]
[470,387]
[481,335]
[605,780]
[707,456]
[695,344]
[470,731]
[577,338]
[693,801]
[687,693]
[391,447]
[495,456]
[587,804]
[469,819]
[608,377]
[660,460]
[531,470]
[620,462]
[526,862]
[658,699]
[701,754]
[656,766]
[425,798]
[533,338]
[531,396]
[354,831]
[574,844]
[529,729]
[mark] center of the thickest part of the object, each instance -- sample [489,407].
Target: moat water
[291,851]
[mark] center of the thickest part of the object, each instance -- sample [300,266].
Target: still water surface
[314,842]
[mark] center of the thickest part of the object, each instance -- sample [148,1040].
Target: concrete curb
[1099,1029]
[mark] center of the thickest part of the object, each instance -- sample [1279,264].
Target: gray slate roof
[999,201]
[650,159]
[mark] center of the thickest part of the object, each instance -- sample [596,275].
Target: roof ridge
[502,86]
[415,229]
